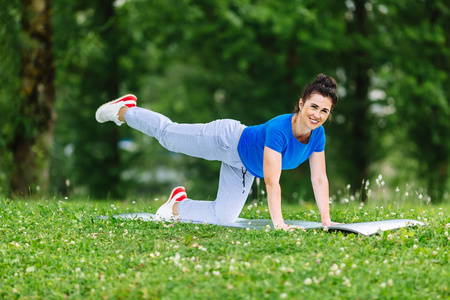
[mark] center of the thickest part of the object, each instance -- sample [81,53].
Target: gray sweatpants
[217,140]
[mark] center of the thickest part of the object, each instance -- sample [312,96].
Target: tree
[355,139]
[418,41]
[35,118]
[9,76]
[88,53]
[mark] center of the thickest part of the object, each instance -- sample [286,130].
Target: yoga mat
[364,228]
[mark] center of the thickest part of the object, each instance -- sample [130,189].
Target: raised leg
[216,140]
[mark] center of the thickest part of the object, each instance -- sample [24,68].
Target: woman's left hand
[330,223]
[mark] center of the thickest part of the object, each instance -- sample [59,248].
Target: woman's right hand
[287,227]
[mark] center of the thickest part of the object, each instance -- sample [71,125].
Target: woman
[245,152]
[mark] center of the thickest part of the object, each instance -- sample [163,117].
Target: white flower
[287,270]
[198,267]
[308,281]
[216,273]
[283,296]
[347,282]
[390,282]
[382,285]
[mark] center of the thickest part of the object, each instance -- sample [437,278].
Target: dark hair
[323,85]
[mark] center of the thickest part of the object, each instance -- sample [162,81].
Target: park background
[196,61]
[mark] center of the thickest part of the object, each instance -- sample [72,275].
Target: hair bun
[326,81]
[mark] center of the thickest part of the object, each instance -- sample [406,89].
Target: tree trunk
[34,133]
[360,110]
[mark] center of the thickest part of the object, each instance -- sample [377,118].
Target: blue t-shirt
[277,135]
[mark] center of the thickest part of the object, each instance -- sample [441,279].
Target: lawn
[58,249]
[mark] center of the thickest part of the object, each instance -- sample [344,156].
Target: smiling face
[314,111]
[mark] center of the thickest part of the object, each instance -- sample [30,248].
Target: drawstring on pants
[243,178]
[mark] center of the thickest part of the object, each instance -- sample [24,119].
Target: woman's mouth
[314,121]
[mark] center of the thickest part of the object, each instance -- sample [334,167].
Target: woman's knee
[226,216]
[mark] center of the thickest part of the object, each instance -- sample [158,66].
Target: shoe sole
[178,190]
[128,100]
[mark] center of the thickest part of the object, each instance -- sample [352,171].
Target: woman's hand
[330,223]
[287,227]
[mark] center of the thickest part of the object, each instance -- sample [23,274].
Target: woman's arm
[272,174]
[319,182]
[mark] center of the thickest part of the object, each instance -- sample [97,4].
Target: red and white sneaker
[165,211]
[110,110]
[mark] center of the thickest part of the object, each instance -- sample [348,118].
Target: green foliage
[90,77]
[60,249]
[9,77]
[196,61]
[417,85]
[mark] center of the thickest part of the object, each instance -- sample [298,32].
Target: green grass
[51,249]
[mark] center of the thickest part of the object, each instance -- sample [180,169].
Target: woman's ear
[300,103]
